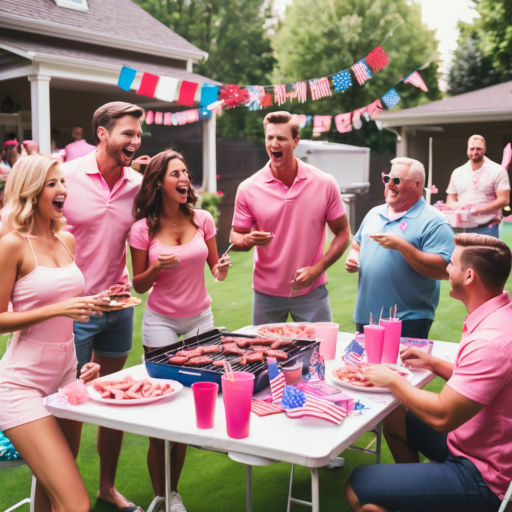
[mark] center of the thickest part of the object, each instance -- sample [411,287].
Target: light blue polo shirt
[385,277]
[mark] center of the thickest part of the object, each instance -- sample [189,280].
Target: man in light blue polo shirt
[401,251]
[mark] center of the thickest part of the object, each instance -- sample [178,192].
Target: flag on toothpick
[342,81]
[391,98]
[277,381]
[279,94]
[320,88]
[126,78]
[416,80]
[362,72]
[297,404]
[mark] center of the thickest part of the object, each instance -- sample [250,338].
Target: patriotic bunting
[182,118]
[377,59]
[168,119]
[255,94]
[300,92]
[391,98]
[319,88]
[204,113]
[126,78]
[174,120]
[321,124]
[233,95]
[342,81]
[159,117]
[276,378]
[187,93]
[374,109]
[192,115]
[343,122]
[209,94]
[280,94]
[297,404]
[416,80]
[166,89]
[362,72]
[148,85]
[149,117]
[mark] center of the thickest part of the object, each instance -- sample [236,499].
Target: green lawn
[212,482]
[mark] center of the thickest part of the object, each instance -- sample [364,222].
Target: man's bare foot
[118,500]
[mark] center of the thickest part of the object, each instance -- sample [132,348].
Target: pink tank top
[44,286]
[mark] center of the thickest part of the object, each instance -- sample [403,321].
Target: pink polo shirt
[296,215]
[181,291]
[100,220]
[78,149]
[483,373]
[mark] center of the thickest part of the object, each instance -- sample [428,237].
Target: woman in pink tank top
[39,277]
[170,244]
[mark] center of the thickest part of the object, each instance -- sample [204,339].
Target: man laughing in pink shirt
[282,210]
[101,189]
[466,429]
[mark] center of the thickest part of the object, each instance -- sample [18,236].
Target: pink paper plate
[96,395]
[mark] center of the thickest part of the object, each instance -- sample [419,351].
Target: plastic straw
[381,311]
[390,313]
[229,371]
[394,316]
[371,319]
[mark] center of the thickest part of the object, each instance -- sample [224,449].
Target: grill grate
[299,347]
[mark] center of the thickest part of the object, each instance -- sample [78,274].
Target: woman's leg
[46,449]
[156,464]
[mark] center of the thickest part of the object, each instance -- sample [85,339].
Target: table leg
[248,491]
[167,476]
[290,490]
[315,493]
[379,441]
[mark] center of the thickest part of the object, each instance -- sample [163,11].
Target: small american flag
[354,356]
[362,71]
[300,91]
[297,405]
[277,381]
[320,88]
[279,94]
[416,80]
[262,408]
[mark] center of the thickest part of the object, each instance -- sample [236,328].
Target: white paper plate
[96,395]
[369,389]
[253,329]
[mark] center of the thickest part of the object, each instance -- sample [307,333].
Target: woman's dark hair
[148,203]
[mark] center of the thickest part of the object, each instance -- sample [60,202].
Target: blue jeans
[110,335]
[311,307]
[450,484]
[494,230]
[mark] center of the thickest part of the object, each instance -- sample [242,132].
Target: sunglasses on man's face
[386,178]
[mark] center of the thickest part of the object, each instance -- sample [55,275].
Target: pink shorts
[29,371]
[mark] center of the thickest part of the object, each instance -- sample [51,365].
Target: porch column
[210,153]
[401,145]
[40,98]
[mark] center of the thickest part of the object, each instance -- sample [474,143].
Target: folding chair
[506,499]
[10,458]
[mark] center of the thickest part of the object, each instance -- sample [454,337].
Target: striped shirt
[479,187]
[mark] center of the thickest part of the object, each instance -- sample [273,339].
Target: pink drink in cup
[328,332]
[205,398]
[374,343]
[393,330]
[237,397]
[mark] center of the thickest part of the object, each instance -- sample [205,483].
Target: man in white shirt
[482,185]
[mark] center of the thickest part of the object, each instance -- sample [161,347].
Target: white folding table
[272,438]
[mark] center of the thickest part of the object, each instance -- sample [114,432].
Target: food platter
[372,389]
[96,395]
[255,329]
[130,303]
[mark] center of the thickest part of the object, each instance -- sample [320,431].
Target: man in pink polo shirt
[101,189]
[80,147]
[282,210]
[467,429]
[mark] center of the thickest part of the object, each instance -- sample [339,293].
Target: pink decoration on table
[74,393]
[403,226]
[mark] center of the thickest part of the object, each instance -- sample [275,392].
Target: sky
[440,15]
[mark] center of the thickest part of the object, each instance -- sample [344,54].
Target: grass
[212,482]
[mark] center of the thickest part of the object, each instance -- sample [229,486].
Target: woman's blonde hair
[26,181]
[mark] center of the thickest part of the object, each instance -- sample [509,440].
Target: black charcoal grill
[157,364]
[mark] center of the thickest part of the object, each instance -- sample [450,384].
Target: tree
[471,68]
[320,37]
[233,34]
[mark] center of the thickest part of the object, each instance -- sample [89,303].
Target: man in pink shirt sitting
[467,429]
[101,189]
[282,210]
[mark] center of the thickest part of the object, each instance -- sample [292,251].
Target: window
[76,5]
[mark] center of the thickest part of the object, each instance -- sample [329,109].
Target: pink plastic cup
[329,332]
[237,397]
[393,330]
[205,398]
[374,343]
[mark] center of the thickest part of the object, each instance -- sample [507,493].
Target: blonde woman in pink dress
[39,277]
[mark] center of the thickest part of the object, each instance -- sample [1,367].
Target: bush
[210,201]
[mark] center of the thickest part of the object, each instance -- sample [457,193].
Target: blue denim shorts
[450,484]
[110,335]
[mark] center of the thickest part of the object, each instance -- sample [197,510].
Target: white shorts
[160,330]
